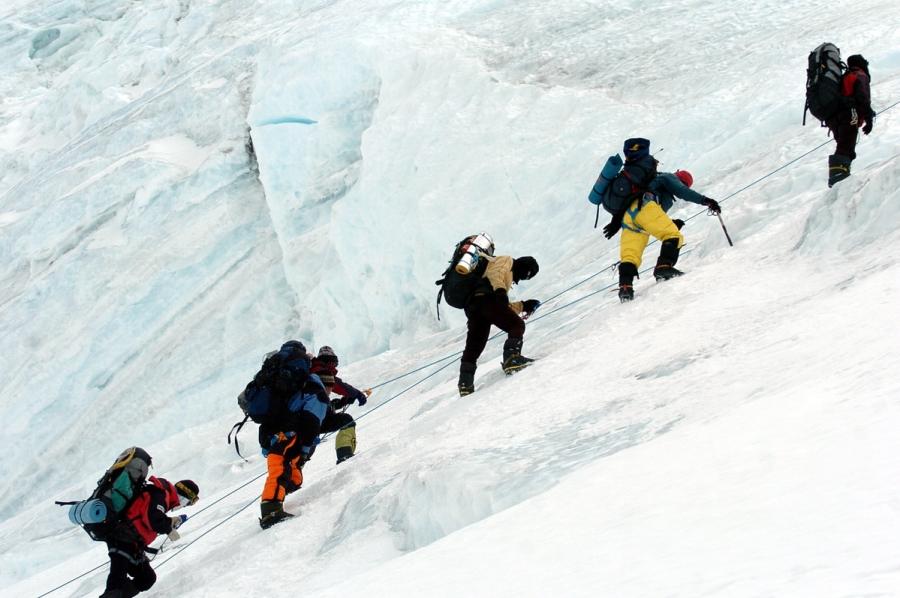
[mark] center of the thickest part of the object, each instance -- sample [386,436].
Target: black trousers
[483,312]
[129,574]
[844,133]
[305,426]
[334,421]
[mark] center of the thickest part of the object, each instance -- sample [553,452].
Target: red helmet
[685,177]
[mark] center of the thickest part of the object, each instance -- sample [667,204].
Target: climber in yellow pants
[647,216]
[638,224]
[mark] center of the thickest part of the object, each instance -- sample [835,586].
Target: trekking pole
[725,230]
[158,550]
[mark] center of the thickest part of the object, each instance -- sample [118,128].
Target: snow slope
[187,184]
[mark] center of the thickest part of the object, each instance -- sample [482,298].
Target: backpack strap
[440,282]
[635,185]
[236,430]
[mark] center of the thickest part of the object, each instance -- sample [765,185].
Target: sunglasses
[186,498]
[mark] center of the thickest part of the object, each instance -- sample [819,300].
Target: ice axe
[725,230]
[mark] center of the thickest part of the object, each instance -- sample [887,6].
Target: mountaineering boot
[129,590]
[838,169]
[627,272]
[466,383]
[665,272]
[126,591]
[668,257]
[272,512]
[513,360]
[514,363]
[345,442]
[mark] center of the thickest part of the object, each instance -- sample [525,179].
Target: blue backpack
[265,398]
[607,175]
[621,183]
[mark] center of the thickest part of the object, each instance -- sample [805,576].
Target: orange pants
[285,475]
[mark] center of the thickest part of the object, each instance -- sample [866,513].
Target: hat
[524,268]
[327,355]
[295,345]
[188,489]
[685,177]
[636,148]
[858,61]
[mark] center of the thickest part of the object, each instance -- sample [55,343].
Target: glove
[713,205]
[174,536]
[360,398]
[867,128]
[610,230]
[678,222]
[304,456]
[178,520]
[529,306]
[293,451]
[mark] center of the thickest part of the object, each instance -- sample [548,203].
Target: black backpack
[823,82]
[632,181]
[264,399]
[458,288]
[102,515]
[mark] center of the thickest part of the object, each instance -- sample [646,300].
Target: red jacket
[855,87]
[147,512]
[327,372]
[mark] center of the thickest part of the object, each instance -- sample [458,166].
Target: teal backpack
[102,513]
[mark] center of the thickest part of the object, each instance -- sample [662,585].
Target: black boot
[668,257]
[466,378]
[513,360]
[627,272]
[272,512]
[126,591]
[838,169]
